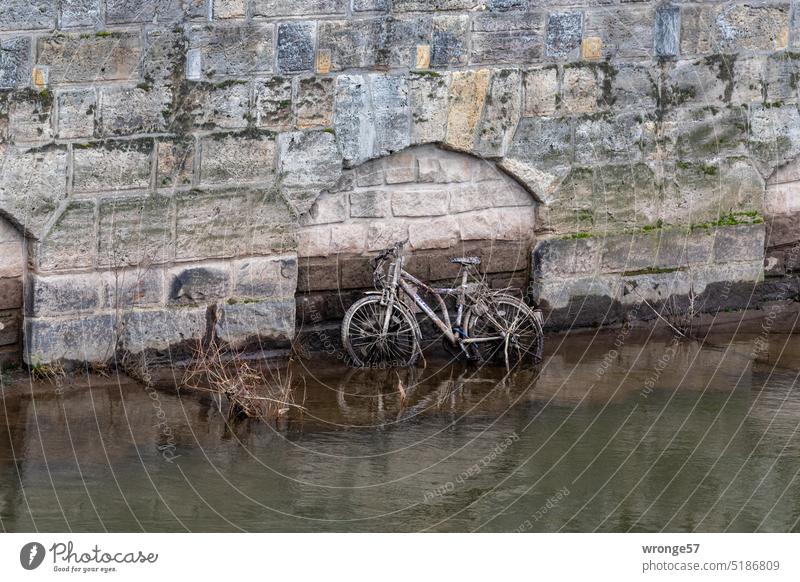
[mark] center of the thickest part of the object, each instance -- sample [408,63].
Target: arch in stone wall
[12,272]
[443,202]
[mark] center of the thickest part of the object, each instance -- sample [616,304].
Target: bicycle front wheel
[510,331]
[369,345]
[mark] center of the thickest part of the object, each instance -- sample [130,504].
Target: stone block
[501,114]
[175,163]
[33,182]
[439,233]
[625,195]
[273,223]
[212,224]
[112,165]
[449,44]
[243,323]
[468,91]
[27,15]
[30,118]
[488,195]
[160,330]
[238,158]
[128,288]
[554,259]
[356,273]
[314,242]
[433,5]
[634,86]
[752,27]
[774,135]
[10,334]
[541,91]
[76,111]
[314,106]
[441,168]
[626,32]
[506,39]
[369,204]
[130,11]
[419,203]
[74,58]
[71,242]
[779,75]
[327,209]
[198,284]
[391,113]
[706,134]
[223,105]
[506,5]
[384,234]
[608,139]
[272,8]
[265,277]
[428,97]
[371,5]
[134,231]
[87,338]
[350,44]
[62,294]
[130,110]
[582,89]
[15,62]
[273,103]
[497,224]
[667,31]
[739,243]
[564,32]
[11,293]
[224,9]
[233,50]
[353,119]
[543,142]
[698,82]
[164,55]
[309,163]
[401,168]
[348,238]
[295,47]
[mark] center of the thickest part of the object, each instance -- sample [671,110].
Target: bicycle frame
[400,278]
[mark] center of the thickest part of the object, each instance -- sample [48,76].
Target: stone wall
[178,140]
[12,270]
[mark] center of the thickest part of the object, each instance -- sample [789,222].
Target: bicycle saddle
[466,260]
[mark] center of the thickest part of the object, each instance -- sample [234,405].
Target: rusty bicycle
[380,329]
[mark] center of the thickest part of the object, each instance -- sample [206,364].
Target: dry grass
[249,391]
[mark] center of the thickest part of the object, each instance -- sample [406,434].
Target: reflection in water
[642,436]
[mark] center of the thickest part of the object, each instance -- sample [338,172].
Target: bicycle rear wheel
[519,337]
[369,346]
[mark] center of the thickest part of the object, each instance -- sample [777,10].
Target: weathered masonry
[164,157]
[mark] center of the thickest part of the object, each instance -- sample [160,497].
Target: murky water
[617,432]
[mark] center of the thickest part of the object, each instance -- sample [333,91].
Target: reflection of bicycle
[380,330]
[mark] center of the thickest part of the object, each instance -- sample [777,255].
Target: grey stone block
[175,163]
[428,100]
[507,5]
[129,11]
[608,139]
[80,13]
[163,55]
[160,330]
[27,14]
[500,39]
[30,118]
[392,115]
[327,209]
[129,288]
[774,135]
[500,115]
[667,32]
[265,320]
[239,50]
[369,204]
[295,47]
[273,103]
[626,32]
[15,62]
[543,142]
[62,294]
[90,58]
[88,338]
[224,105]
[265,277]
[131,110]
[353,119]
[134,231]
[554,258]
[198,284]
[212,224]
[739,243]
[564,33]
[112,165]
[433,5]
[314,106]
[371,5]
[76,112]
[309,163]
[449,41]
[33,182]
[272,8]
[71,242]
[238,158]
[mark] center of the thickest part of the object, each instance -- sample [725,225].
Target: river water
[618,431]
